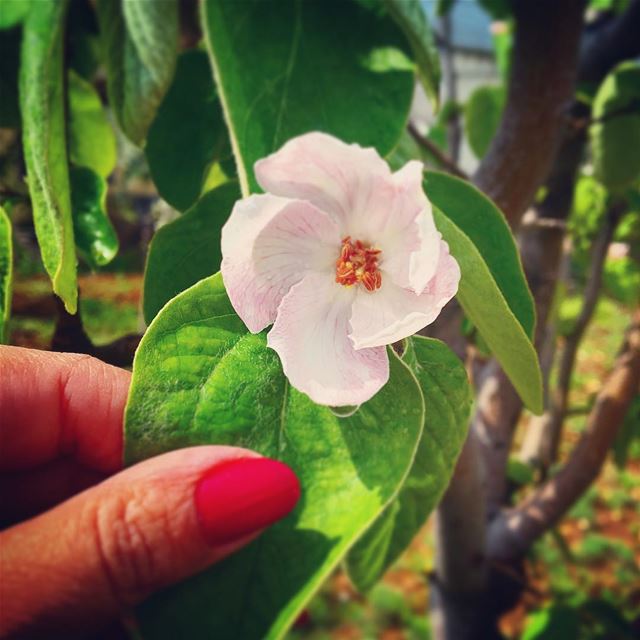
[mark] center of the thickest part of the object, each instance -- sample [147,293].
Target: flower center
[358,263]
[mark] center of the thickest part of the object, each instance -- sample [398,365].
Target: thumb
[106,549]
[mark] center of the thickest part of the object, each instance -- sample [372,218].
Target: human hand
[90,558]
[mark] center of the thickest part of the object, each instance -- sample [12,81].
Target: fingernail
[242,496]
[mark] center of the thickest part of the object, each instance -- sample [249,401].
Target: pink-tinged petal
[268,245]
[310,336]
[392,313]
[411,252]
[317,167]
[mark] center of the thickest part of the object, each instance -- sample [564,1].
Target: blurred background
[594,554]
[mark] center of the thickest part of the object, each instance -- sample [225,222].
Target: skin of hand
[80,546]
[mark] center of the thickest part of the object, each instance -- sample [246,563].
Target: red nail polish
[238,497]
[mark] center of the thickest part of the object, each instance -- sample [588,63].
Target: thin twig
[560,397]
[442,158]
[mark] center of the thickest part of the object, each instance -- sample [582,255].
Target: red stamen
[358,263]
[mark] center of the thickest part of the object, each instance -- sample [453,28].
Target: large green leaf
[140,40]
[483,223]
[486,306]
[13,12]
[187,249]
[6,272]
[447,399]
[482,115]
[92,142]
[199,377]
[412,19]
[286,67]
[95,236]
[188,134]
[45,146]
[615,136]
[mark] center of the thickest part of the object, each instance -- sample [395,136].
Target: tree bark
[540,93]
[531,134]
[512,534]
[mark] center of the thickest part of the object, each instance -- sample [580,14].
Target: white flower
[342,257]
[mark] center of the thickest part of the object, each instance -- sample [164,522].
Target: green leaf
[9,63]
[483,223]
[286,67]
[486,306]
[187,249]
[412,19]
[92,142]
[13,12]
[140,39]
[482,115]
[199,377]
[95,236]
[615,135]
[6,272]
[188,134]
[44,140]
[447,399]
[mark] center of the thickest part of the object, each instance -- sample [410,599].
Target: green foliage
[615,134]
[92,142]
[483,223]
[187,249]
[447,397]
[9,62]
[6,272]
[486,306]
[139,40]
[284,68]
[411,18]
[13,12]
[588,211]
[95,236]
[188,134]
[622,280]
[502,38]
[617,6]
[200,378]
[493,291]
[519,472]
[44,139]
[482,115]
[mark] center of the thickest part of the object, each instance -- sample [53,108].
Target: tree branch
[442,158]
[513,533]
[540,92]
[559,399]
[541,250]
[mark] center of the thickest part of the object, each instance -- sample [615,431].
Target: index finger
[60,404]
